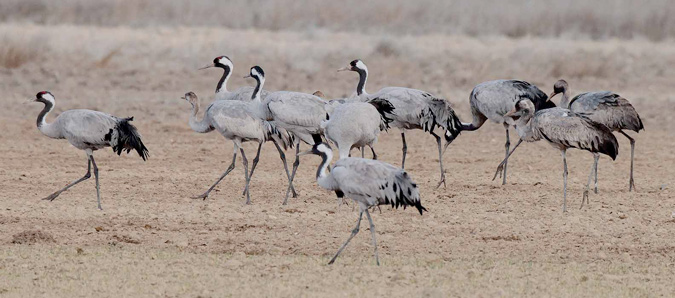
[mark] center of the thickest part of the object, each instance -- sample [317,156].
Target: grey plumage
[607,108]
[238,121]
[89,131]
[355,124]
[563,129]
[413,109]
[298,114]
[492,99]
[369,183]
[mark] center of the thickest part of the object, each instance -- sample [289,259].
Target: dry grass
[625,19]
[15,51]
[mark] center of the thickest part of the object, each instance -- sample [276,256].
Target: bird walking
[563,129]
[243,93]
[369,183]
[492,99]
[413,109]
[607,108]
[239,122]
[299,114]
[89,131]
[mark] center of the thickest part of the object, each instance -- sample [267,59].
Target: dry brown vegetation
[600,19]
[479,238]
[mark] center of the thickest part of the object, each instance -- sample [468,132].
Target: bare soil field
[479,238]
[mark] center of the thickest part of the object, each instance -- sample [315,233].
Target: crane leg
[373,151]
[596,157]
[372,232]
[246,176]
[255,163]
[98,188]
[363,154]
[506,147]
[85,177]
[501,165]
[440,159]
[296,163]
[564,180]
[404,149]
[354,232]
[590,177]
[229,169]
[631,182]
[282,155]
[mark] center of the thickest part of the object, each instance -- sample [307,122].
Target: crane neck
[363,77]
[41,119]
[260,82]
[524,127]
[565,101]
[322,171]
[42,125]
[222,83]
[198,126]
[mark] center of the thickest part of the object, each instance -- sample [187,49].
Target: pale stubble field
[479,238]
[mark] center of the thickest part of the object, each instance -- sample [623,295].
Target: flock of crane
[289,119]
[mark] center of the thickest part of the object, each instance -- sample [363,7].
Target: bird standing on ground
[368,182]
[607,108]
[239,122]
[89,131]
[492,99]
[300,114]
[563,129]
[413,109]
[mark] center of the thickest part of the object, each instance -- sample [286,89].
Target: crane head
[191,97]
[522,108]
[559,87]
[220,61]
[320,148]
[44,96]
[355,65]
[256,72]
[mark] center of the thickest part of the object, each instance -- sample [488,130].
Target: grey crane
[367,182]
[563,129]
[243,93]
[413,109]
[607,108]
[355,124]
[492,99]
[299,114]
[89,131]
[239,122]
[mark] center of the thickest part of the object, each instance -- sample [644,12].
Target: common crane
[563,129]
[89,131]
[367,182]
[492,99]
[607,108]
[239,122]
[413,109]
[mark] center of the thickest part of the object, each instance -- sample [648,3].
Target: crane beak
[344,68]
[207,66]
[511,113]
[304,153]
[247,76]
[551,96]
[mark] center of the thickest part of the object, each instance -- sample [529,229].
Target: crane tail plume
[386,110]
[126,137]
[439,113]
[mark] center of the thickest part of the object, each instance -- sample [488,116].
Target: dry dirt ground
[479,238]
